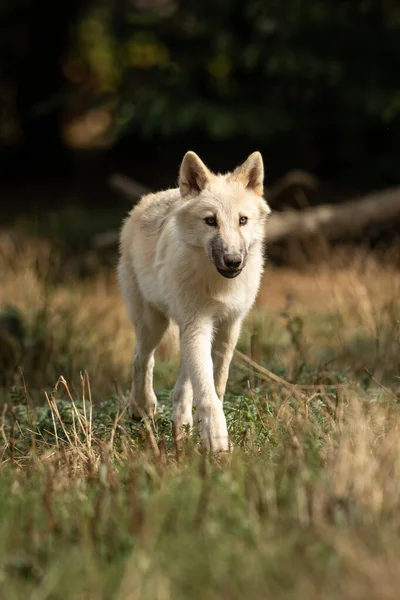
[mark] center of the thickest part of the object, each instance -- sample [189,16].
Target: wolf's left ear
[193,175]
[251,173]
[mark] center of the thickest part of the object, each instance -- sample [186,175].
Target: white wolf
[194,256]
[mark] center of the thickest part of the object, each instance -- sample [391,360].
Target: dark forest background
[88,88]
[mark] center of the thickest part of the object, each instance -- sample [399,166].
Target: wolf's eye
[243,220]
[211,221]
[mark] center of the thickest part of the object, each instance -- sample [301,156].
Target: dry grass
[308,505]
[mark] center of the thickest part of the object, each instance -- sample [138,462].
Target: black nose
[233,261]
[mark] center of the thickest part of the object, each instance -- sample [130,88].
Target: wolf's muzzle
[232,265]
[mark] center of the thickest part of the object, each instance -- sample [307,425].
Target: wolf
[192,257]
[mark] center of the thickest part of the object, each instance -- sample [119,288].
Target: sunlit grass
[95,506]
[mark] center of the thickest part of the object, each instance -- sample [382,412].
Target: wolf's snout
[230,265]
[233,261]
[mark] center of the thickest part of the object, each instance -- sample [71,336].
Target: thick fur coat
[193,256]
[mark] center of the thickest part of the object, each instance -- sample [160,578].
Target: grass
[94,506]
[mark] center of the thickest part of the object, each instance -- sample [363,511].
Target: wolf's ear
[193,175]
[251,173]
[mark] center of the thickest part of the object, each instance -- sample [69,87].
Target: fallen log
[332,221]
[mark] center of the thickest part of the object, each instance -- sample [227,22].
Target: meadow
[94,506]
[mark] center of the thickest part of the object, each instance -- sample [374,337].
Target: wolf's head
[223,214]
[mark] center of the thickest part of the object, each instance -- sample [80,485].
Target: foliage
[255,70]
[313,81]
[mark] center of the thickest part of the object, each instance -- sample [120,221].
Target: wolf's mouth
[229,274]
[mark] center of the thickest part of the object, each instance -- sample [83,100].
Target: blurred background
[99,101]
[93,87]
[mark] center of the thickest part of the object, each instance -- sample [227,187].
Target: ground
[94,506]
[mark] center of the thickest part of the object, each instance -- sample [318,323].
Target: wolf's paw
[182,421]
[181,432]
[139,408]
[212,425]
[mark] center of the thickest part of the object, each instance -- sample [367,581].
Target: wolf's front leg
[196,339]
[223,347]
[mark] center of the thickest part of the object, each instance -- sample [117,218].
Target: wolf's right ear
[193,175]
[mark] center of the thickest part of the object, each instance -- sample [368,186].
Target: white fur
[166,274]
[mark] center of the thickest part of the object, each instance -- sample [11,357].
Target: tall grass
[95,506]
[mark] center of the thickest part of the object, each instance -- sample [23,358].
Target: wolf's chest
[230,304]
